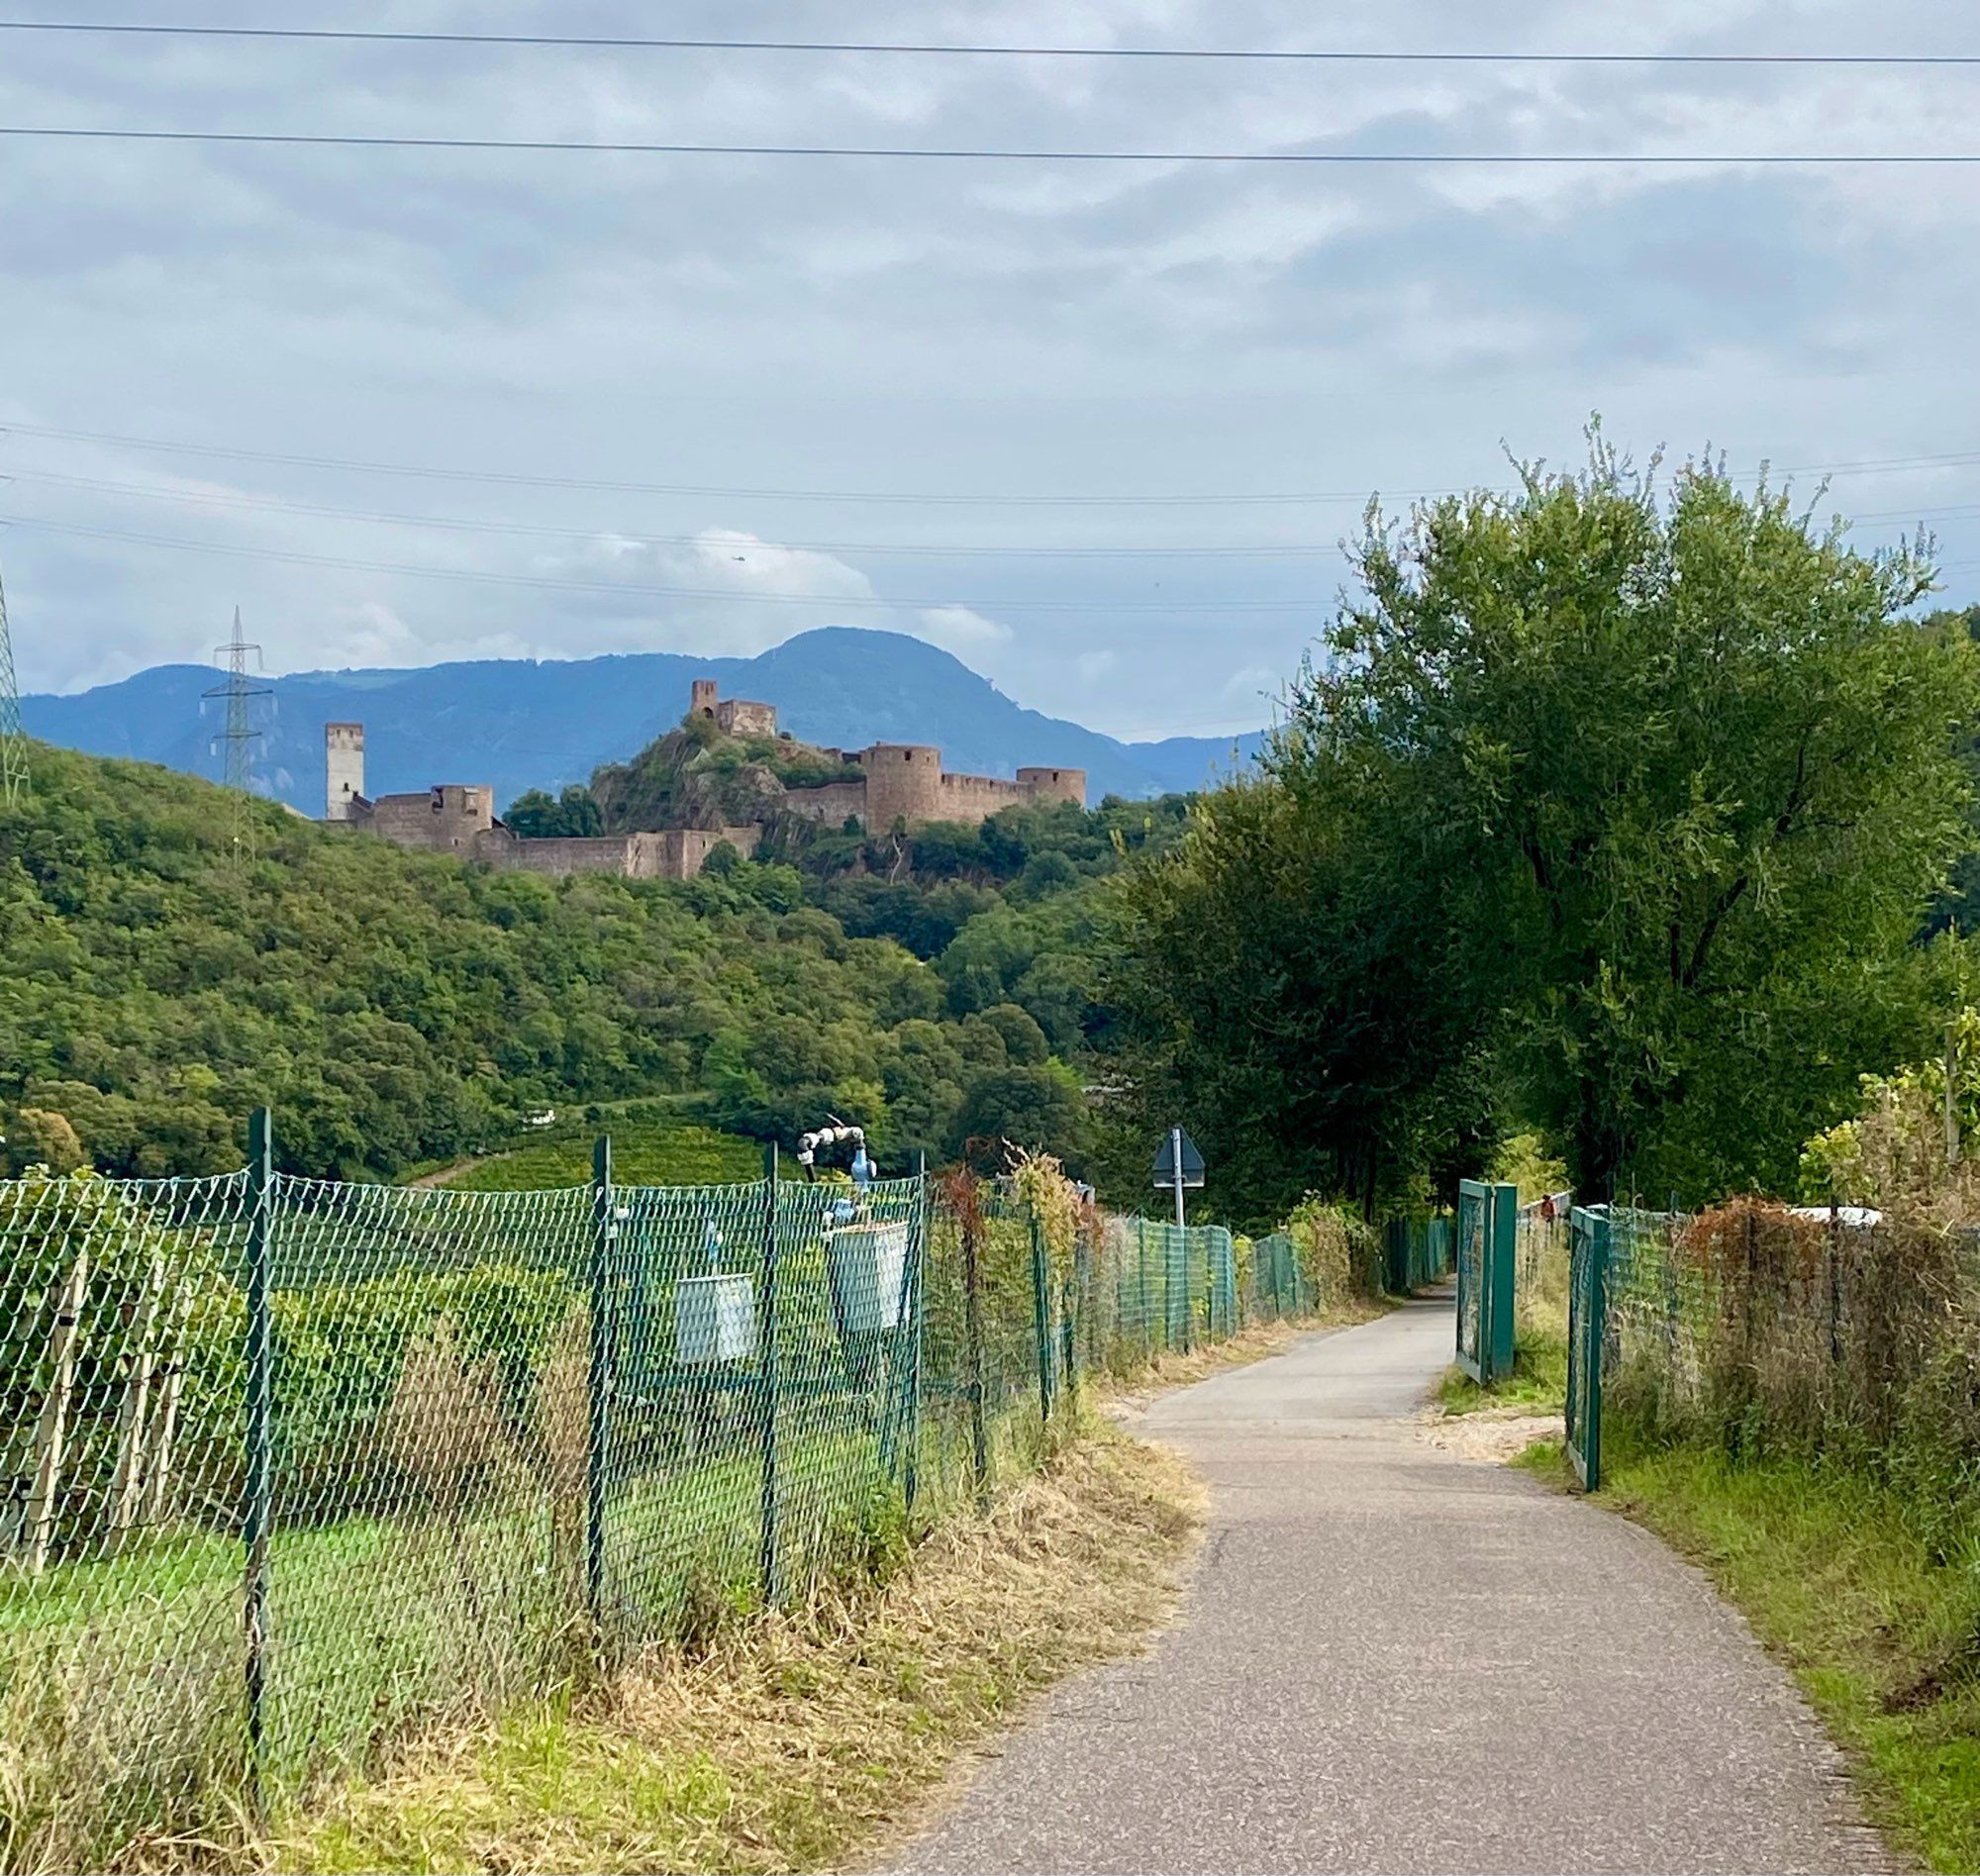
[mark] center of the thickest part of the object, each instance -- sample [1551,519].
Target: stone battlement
[898,785]
[902,782]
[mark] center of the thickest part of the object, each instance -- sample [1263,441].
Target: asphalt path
[1390,1658]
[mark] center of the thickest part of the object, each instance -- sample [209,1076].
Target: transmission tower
[236,743]
[13,738]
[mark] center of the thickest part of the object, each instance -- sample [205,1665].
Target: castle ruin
[900,783]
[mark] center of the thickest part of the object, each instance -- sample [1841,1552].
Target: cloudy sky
[1037,412]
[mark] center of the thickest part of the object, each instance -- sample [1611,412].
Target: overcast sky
[989,332]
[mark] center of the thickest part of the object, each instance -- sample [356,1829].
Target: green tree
[1646,790]
[37,1137]
[574,812]
[1038,1109]
[1289,993]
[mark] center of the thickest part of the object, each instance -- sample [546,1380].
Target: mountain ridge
[522,723]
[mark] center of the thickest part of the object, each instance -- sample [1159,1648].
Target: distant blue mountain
[520,723]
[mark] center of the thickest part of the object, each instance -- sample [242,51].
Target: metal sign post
[1178,1164]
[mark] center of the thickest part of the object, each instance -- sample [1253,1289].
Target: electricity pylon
[13,738]
[237,741]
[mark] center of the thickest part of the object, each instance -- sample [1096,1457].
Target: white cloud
[958,628]
[925,328]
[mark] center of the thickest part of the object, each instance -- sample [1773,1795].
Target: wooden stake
[171,1382]
[52,1427]
[126,1486]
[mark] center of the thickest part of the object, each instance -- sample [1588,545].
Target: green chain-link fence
[300,1469]
[1417,1250]
[1834,1333]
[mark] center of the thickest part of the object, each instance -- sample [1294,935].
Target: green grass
[1882,1634]
[793,1746]
[380,1630]
[644,1153]
[1538,1380]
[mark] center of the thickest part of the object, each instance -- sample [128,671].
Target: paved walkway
[1392,1659]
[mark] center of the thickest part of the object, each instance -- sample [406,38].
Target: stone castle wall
[1053,784]
[446,820]
[829,804]
[900,782]
[671,854]
[740,718]
[903,783]
[977,797]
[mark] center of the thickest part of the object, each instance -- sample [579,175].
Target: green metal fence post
[598,1443]
[767,1382]
[1091,1251]
[1042,1318]
[1503,1227]
[1075,1315]
[257,1507]
[918,1258]
[1587,1339]
[1141,1284]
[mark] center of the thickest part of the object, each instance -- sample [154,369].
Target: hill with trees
[177,954]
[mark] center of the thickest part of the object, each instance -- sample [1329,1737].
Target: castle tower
[903,783]
[343,767]
[702,696]
[1054,784]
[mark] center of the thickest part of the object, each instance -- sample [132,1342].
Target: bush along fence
[1849,1335]
[301,1469]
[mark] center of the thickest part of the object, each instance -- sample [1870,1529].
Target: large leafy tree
[1610,804]
[1286,992]
[1685,773]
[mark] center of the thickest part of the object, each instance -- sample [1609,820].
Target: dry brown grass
[787,1744]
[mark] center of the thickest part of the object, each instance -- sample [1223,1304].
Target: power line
[43,479]
[728,594]
[512,480]
[1373,159]
[1871,466]
[742,544]
[1271,55]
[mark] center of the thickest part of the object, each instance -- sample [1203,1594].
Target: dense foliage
[1606,811]
[399,1008]
[537,816]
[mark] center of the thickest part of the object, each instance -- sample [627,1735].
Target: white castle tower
[343,767]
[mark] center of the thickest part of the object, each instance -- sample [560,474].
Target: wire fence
[1759,1326]
[299,1470]
[1417,1249]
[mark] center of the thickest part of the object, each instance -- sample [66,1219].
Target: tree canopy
[1608,805]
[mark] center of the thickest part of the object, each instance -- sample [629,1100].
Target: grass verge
[1538,1381]
[786,1744]
[1882,1634]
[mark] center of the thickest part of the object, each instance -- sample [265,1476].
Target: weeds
[1537,1381]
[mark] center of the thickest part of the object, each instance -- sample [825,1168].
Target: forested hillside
[398,1008]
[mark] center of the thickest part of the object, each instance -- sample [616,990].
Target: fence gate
[1587,1331]
[1487,1229]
